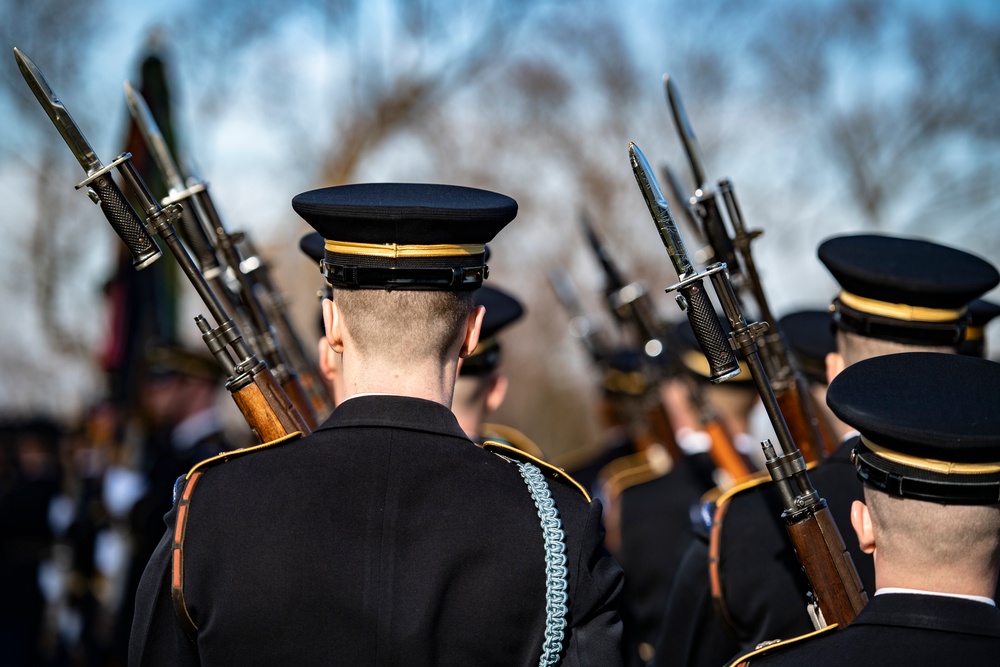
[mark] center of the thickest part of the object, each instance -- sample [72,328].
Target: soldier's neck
[940,579]
[429,380]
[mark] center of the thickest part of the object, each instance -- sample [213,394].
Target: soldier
[928,451]
[387,536]
[481,386]
[811,339]
[897,295]
[184,427]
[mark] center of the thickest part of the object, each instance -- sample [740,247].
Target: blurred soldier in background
[30,479]
[657,510]
[481,385]
[182,428]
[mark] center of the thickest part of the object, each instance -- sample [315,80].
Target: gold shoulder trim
[781,643]
[755,480]
[225,456]
[628,471]
[514,437]
[509,452]
[579,457]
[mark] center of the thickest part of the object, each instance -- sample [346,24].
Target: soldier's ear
[834,364]
[333,322]
[861,521]
[472,328]
[329,364]
[498,391]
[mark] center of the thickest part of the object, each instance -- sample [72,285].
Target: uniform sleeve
[594,633]
[692,634]
[157,637]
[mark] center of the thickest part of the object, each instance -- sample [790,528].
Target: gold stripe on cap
[975,333]
[900,311]
[397,250]
[932,465]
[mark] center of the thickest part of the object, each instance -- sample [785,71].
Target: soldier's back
[386,537]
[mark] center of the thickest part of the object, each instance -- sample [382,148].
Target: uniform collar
[914,591]
[390,411]
[932,612]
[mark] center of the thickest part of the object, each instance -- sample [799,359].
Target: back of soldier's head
[928,454]
[901,294]
[404,260]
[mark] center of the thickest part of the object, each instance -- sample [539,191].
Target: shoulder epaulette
[511,436]
[183,491]
[549,470]
[234,453]
[633,470]
[721,507]
[776,645]
[752,482]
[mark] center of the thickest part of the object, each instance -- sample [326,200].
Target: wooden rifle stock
[793,406]
[815,537]
[724,453]
[293,388]
[823,555]
[266,407]
[663,430]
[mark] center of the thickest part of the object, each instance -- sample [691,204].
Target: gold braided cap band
[900,311]
[975,333]
[924,478]
[404,266]
[932,465]
[397,250]
[899,322]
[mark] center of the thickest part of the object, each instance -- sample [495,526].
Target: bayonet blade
[58,114]
[660,211]
[688,138]
[154,139]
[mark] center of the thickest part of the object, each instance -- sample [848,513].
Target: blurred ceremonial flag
[143,304]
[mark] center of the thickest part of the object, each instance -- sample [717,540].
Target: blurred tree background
[829,116]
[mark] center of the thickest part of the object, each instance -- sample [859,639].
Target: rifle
[631,411]
[789,385]
[631,305]
[258,396]
[200,224]
[819,547]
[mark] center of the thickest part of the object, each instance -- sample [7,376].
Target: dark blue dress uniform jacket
[763,587]
[384,538]
[902,629]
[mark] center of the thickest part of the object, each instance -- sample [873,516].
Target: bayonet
[688,138]
[704,203]
[58,114]
[660,211]
[102,188]
[691,297]
[150,131]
